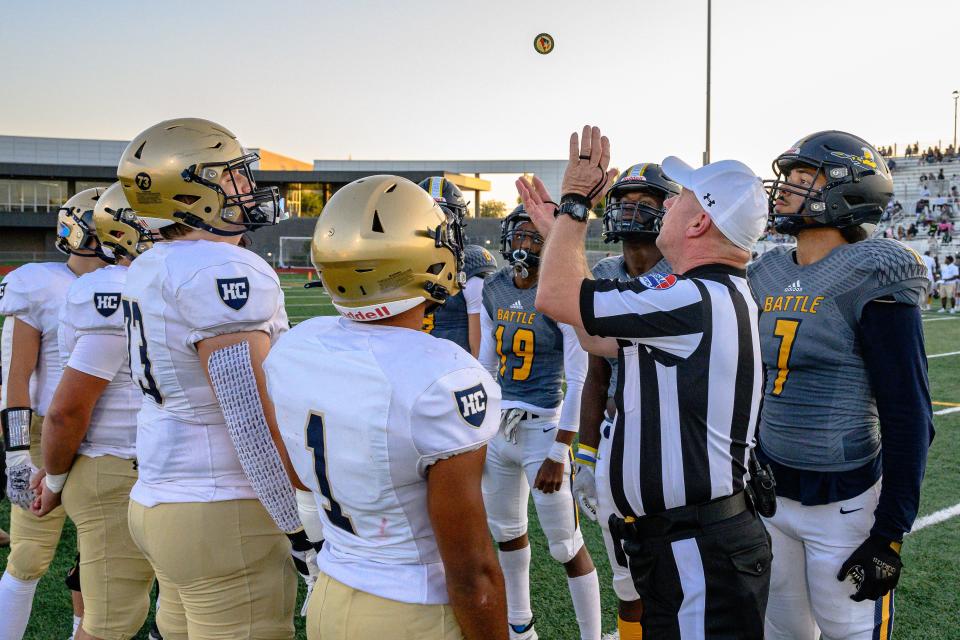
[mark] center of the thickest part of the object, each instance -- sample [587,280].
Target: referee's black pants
[703,583]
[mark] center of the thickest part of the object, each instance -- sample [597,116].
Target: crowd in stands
[931,155]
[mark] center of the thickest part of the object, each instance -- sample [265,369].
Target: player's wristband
[55,481]
[559,452]
[586,455]
[16,427]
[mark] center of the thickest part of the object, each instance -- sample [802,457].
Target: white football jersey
[177,294]
[364,410]
[92,341]
[34,294]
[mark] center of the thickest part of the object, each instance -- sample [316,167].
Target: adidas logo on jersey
[234,291]
[106,304]
[517,305]
[793,288]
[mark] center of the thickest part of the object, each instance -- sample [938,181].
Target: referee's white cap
[731,194]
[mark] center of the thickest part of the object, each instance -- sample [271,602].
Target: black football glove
[874,567]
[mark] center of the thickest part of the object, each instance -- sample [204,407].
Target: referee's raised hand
[587,173]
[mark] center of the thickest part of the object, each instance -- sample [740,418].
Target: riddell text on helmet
[379,312]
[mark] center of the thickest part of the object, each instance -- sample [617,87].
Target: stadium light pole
[956,94]
[706,152]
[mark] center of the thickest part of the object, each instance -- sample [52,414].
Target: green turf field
[926,604]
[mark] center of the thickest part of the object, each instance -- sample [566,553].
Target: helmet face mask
[513,238]
[243,202]
[625,218]
[76,230]
[855,184]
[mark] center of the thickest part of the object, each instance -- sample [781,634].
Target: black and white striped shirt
[690,386]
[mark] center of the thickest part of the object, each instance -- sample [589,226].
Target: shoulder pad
[477,261]
[895,261]
[19,288]
[608,268]
[230,297]
[897,273]
[459,411]
[93,302]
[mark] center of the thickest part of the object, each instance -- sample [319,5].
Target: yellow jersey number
[786,330]
[428,323]
[523,348]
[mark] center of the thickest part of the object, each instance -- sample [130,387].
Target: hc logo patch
[106,304]
[658,280]
[234,291]
[3,289]
[472,405]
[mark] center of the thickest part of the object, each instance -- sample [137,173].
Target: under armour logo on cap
[710,202]
[234,291]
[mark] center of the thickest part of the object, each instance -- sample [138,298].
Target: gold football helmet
[121,232]
[76,232]
[195,172]
[382,246]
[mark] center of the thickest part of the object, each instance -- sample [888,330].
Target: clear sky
[422,79]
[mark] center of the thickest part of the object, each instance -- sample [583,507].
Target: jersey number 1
[317,443]
[139,361]
[786,330]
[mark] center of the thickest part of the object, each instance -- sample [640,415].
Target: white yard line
[941,355]
[943,412]
[936,517]
[312,304]
[938,319]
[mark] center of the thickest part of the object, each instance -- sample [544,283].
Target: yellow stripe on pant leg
[885,616]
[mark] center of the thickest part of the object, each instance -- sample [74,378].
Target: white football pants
[810,543]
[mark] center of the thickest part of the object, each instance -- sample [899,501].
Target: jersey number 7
[786,330]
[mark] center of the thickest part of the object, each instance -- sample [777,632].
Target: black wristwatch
[577,207]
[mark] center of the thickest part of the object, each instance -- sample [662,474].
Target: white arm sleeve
[99,355]
[488,350]
[233,381]
[575,373]
[473,293]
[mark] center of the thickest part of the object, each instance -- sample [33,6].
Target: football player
[632,215]
[458,319]
[846,419]
[212,500]
[531,356]
[31,297]
[89,432]
[388,427]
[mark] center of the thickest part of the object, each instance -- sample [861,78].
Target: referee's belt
[678,520]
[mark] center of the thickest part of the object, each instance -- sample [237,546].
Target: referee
[689,389]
